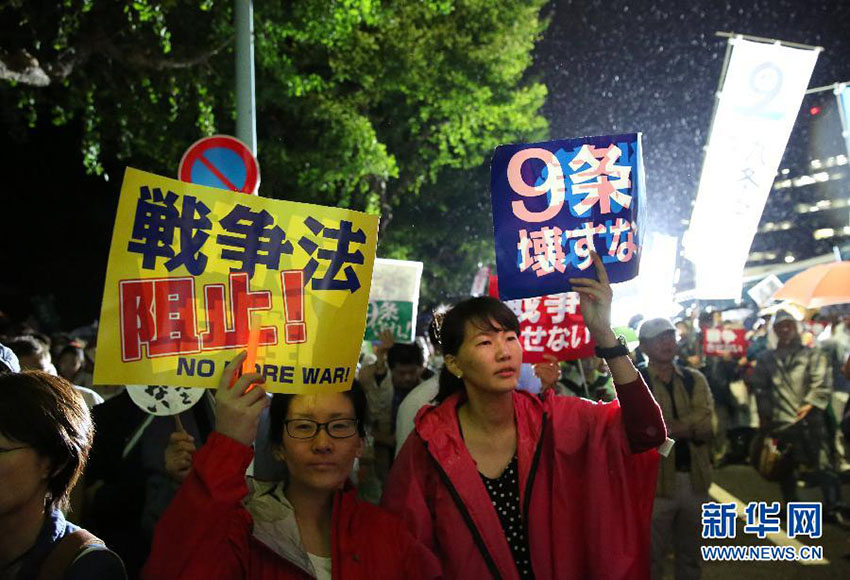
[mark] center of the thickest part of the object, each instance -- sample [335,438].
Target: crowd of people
[458,461]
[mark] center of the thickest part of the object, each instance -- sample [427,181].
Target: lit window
[803,180]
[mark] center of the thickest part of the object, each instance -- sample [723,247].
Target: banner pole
[583,378]
[838,89]
[246,124]
[767,40]
[831,87]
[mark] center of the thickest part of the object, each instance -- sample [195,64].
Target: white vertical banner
[756,110]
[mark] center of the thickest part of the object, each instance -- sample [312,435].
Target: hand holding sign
[238,408]
[548,372]
[596,297]
[178,455]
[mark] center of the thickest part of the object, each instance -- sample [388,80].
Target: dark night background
[610,68]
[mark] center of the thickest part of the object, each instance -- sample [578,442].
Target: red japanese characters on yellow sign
[191,268]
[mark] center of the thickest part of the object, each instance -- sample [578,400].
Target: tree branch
[22,67]
[156,62]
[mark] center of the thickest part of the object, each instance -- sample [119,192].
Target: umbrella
[820,285]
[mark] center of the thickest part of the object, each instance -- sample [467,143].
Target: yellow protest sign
[191,268]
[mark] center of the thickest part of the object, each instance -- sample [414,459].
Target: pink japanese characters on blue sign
[555,201]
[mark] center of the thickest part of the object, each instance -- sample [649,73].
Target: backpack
[66,552]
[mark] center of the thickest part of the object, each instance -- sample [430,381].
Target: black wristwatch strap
[613,351]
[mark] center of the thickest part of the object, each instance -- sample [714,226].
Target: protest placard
[480,282]
[164,401]
[762,293]
[550,325]
[192,267]
[553,202]
[394,299]
[720,341]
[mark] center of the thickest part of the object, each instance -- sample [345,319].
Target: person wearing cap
[8,361]
[685,474]
[793,387]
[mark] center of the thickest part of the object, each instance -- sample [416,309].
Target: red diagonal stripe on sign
[217,173]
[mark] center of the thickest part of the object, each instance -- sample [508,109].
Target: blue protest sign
[555,201]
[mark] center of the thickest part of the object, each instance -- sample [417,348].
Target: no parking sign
[220,161]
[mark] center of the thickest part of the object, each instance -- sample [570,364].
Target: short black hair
[27,345]
[48,414]
[482,312]
[403,353]
[73,349]
[280,407]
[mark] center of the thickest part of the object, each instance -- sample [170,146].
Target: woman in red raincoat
[310,526]
[500,483]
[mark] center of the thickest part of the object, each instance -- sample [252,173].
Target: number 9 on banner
[554,185]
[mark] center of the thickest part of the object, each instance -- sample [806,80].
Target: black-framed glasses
[307,428]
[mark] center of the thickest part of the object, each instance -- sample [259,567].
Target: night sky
[610,67]
[654,66]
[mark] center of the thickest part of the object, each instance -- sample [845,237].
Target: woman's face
[23,476]
[489,359]
[320,462]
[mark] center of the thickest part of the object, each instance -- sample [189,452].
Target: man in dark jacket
[793,386]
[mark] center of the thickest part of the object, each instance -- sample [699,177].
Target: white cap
[653,327]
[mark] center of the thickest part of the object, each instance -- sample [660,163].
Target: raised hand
[387,342]
[178,455]
[548,372]
[595,299]
[238,407]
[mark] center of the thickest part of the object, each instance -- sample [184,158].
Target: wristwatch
[613,351]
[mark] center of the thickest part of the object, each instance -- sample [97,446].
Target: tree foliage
[391,107]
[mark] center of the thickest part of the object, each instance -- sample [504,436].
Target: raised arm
[205,531]
[641,415]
